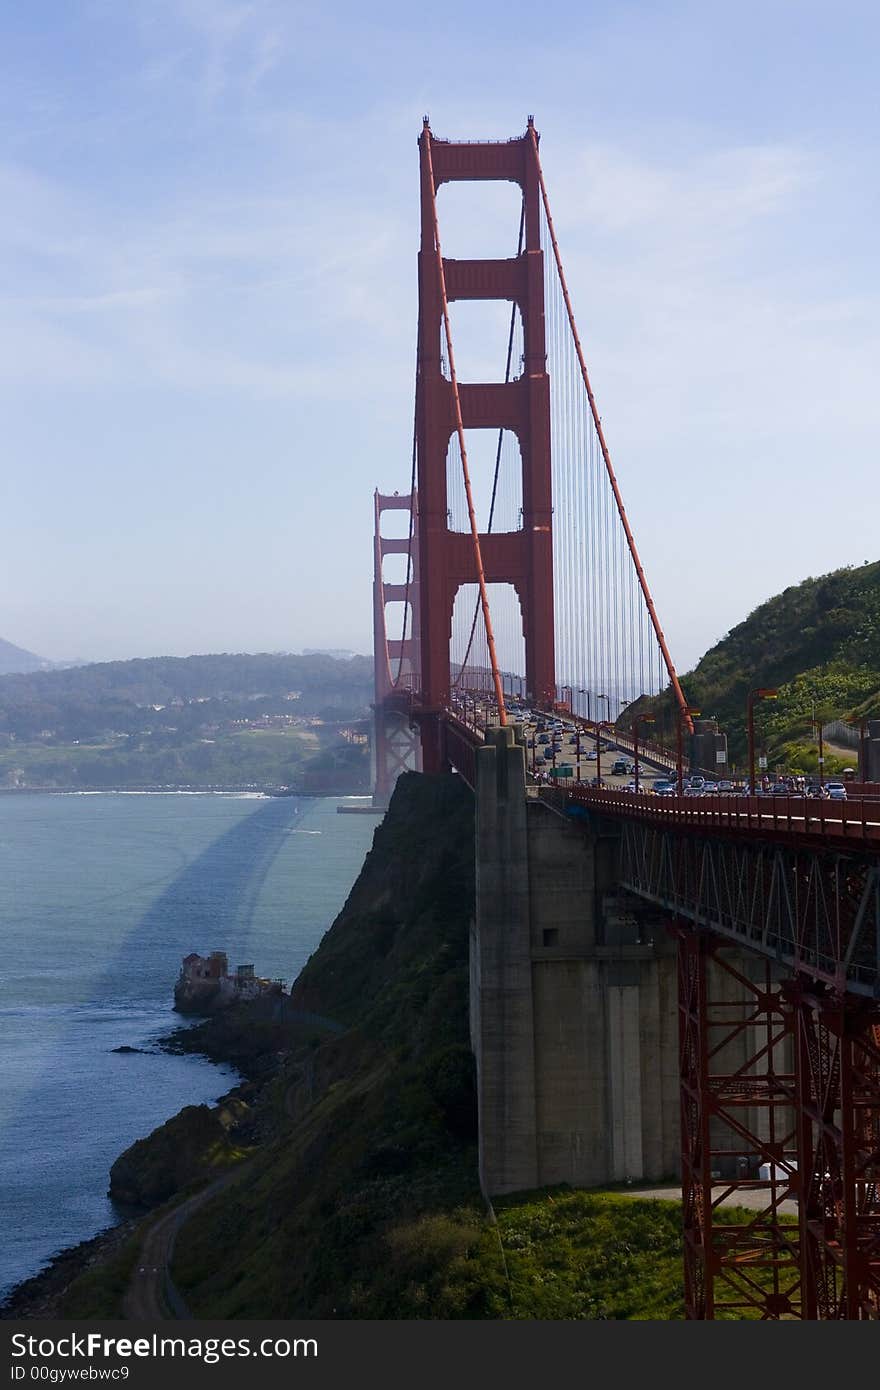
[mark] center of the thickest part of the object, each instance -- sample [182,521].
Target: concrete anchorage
[574,1019]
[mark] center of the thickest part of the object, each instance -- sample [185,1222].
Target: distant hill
[161,680]
[228,719]
[817,643]
[15,660]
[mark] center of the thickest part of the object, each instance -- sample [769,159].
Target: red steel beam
[459,429]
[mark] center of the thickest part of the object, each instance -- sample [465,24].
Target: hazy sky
[208,232]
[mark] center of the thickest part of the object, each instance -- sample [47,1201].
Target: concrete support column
[502,1025]
[625,1082]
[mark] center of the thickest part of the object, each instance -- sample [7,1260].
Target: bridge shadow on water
[211,903]
[75,1106]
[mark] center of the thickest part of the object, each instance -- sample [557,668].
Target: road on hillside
[151,1295]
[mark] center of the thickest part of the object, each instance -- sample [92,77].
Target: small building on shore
[205,984]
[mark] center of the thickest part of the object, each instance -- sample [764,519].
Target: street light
[639,719]
[683,714]
[754,695]
[582,691]
[817,728]
[599,740]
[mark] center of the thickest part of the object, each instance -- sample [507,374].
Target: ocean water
[100,897]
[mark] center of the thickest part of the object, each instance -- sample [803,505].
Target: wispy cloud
[228,206]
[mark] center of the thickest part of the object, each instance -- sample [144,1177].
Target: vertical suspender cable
[643,583]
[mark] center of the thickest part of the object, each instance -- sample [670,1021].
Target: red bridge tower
[447,559]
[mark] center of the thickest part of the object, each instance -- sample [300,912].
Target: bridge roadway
[578,741]
[792,879]
[827,824]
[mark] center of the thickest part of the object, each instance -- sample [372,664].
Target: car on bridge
[836,791]
[663,787]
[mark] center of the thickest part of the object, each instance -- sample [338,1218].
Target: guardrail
[856,820]
[460,744]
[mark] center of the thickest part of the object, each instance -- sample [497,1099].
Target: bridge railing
[460,747]
[856,820]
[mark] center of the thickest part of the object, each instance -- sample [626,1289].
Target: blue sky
[208,230]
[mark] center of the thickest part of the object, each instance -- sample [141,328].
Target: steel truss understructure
[780,1069]
[812,909]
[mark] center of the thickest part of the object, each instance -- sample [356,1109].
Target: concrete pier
[573,999]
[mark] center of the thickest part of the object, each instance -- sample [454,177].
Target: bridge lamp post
[754,695]
[683,714]
[581,691]
[817,728]
[599,739]
[639,719]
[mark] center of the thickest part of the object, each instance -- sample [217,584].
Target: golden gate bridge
[544,592]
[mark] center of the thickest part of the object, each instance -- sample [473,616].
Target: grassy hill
[818,643]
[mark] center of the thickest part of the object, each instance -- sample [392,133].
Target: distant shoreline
[177,791]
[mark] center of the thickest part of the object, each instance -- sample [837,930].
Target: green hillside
[818,644]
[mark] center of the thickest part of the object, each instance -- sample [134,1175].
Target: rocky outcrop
[193,1145]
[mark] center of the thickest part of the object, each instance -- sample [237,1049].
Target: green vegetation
[98,1293]
[557,1254]
[359,1195]
[192,1146]
[208,721]
[818,644]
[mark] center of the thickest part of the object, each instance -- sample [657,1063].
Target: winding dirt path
[152,1295]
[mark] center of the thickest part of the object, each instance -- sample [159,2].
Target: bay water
[101,895]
